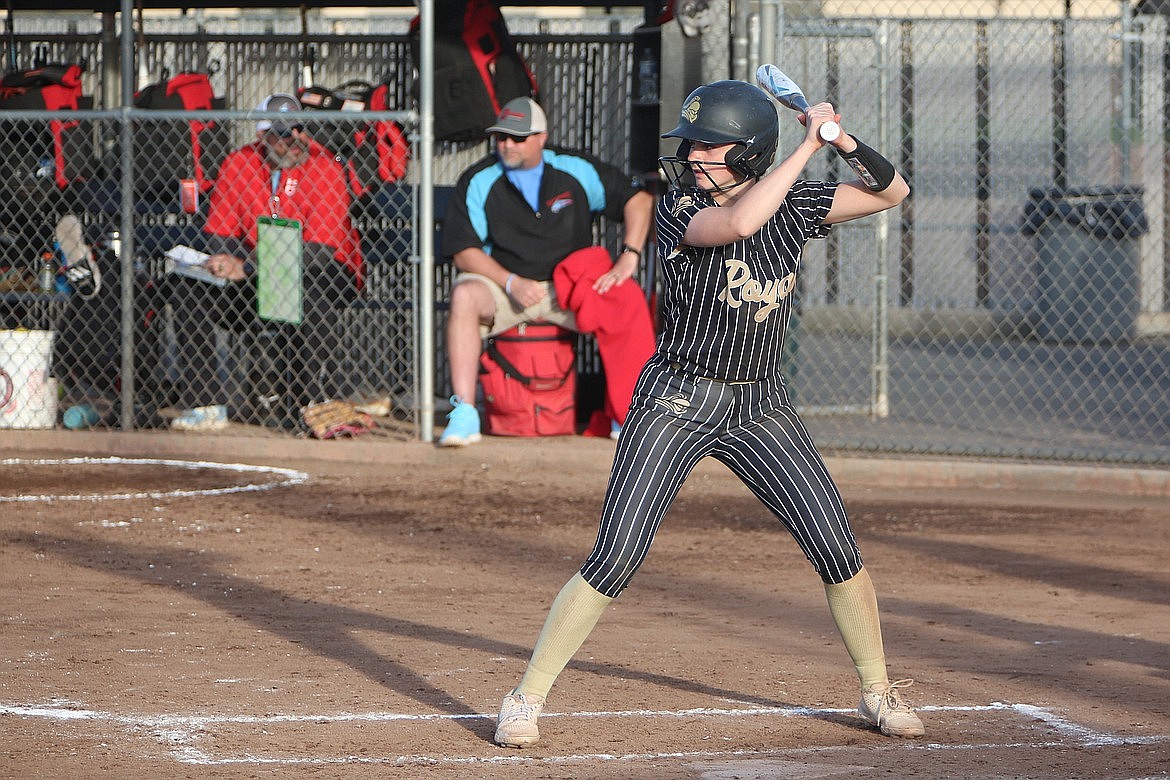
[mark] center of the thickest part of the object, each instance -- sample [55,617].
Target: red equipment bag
[374,152]
[384,143]
[177,152]
[59,150]
[174,151]
[529,379]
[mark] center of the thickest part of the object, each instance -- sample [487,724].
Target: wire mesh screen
[583,83]
[264,277]
[1015,305]
[213,351]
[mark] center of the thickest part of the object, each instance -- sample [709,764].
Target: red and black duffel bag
[60,150]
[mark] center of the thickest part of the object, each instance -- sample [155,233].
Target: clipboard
[279,270]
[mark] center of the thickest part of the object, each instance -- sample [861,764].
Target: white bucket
[28,396]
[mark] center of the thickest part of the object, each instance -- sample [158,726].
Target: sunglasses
[516,139]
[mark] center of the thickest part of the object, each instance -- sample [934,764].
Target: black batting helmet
[726,112]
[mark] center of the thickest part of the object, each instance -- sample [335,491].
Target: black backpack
[477,68]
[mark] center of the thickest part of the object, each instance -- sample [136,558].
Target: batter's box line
[290,477]
[180,732]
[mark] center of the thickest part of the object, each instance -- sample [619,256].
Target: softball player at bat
[730,240]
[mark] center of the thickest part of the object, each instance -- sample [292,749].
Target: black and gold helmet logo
[690,111]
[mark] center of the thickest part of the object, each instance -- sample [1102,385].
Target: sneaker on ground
[202,418]
[516,724]
[885,709]
[462,426]
[615,429]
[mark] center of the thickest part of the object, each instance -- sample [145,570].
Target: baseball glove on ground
[330,419]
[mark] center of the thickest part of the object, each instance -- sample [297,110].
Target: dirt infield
[362,619]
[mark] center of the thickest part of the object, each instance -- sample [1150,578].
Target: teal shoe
[463,425]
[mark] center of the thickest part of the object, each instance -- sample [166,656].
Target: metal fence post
[424,227]
[880,401]
[126,218]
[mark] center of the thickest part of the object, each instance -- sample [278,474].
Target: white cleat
[516,724]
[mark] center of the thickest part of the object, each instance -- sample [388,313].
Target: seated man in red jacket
[520,229]
[287,175]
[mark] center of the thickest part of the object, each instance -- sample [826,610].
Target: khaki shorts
[509,316]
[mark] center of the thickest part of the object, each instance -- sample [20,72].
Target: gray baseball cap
[279,102]
[520,117]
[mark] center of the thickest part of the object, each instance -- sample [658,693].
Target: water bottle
[46,276]
[647,77]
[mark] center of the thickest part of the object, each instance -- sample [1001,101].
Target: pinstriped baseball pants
[675,421]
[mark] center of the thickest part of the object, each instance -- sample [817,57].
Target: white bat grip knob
[829,132]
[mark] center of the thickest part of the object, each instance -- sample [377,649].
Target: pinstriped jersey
[489,212]
[725,308]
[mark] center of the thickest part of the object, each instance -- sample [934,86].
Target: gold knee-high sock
[574,613]
[853,604]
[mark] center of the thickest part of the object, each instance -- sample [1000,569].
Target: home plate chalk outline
[289,477]
[180,733]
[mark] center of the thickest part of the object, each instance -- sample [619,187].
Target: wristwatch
[627,248]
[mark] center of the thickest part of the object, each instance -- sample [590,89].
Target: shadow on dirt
[323,628]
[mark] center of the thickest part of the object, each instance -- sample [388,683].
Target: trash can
[1088,262]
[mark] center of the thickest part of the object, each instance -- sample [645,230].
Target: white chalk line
[179,732]
[291,477]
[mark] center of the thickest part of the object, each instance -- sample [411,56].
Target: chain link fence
[1015,305]
[210,352]
[281,276]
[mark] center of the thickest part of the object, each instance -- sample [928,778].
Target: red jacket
[619,321]
[313,193]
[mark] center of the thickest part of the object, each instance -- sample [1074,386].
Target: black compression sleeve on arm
[875,171]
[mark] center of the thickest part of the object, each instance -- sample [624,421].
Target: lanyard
[274,198]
